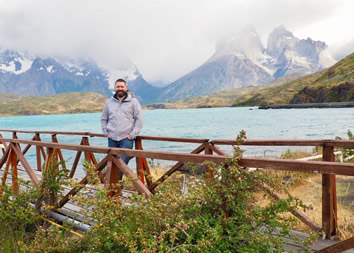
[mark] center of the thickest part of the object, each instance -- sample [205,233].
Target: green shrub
[219,214]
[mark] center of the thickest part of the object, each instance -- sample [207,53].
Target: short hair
[121,80]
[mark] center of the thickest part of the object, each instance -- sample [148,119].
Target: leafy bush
[219,214]
[18,221]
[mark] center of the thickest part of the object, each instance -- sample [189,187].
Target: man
[121,119]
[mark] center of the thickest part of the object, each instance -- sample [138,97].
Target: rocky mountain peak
[279,40]
[246,44]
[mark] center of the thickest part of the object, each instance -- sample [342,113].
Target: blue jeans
[125,143]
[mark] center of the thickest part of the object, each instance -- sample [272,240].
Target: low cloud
[164,39]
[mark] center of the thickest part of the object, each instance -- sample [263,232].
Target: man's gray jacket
[122,117]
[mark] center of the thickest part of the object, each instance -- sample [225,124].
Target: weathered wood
[288,142]
[301,216]
[329,206]
[100,166]
[139,160]
[216,149]
[24,151]
[173,169]
[76,161]
[143,169]
[112,176]
[58,152]
[53,132]
[345,169]
[38,153]
[5,156]
[8,163]
[25,164]
[130,175]
[13,159]
[174,156]
[173,139]
[339,247]
[89,156]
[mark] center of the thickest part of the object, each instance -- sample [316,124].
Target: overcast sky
[165,39]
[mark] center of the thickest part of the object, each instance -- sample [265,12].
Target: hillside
[222,98]
[335,84]
[13,105]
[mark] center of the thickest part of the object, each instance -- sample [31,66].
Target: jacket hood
[130,95]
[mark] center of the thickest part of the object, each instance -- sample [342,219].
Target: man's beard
[121,94]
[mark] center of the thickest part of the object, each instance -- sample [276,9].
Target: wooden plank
[83,181]
[339,247]
[25,164]
[301,216]
[5,156]
[172,139]
[95,149]
[346,169]
[288,142]
[53,132]
[173,169]
[4,176]
[173,156]
[132,177]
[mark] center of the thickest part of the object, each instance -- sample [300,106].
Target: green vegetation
[13,105]
[219,214]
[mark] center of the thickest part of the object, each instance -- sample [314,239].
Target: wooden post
[112,177]
[8,163]
[76,161]
[38,152]
[50,158]
[142,167]
[13,158]
[209,151]
[329,196]
[58,153]
[89,156]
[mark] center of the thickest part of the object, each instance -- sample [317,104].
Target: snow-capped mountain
[26,74]
[241,60]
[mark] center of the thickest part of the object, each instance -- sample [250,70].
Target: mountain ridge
[242,60]
[334,84]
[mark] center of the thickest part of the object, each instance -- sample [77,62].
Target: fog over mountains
[240,60]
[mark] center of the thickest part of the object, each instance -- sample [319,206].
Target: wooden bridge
[14,152]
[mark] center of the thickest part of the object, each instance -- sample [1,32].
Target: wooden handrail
[288,142]
[173,156]
[327,167]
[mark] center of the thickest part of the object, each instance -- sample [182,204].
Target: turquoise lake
[209,123]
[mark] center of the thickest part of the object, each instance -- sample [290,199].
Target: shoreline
[309,105]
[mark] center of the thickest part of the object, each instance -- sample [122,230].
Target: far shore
[309,105]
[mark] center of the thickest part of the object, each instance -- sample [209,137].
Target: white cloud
[165,39]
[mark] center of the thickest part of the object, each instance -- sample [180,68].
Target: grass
[75,102]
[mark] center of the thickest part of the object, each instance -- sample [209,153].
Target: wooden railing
[12,153]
